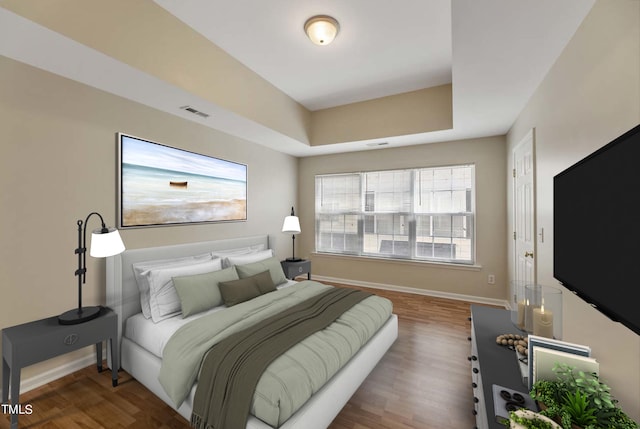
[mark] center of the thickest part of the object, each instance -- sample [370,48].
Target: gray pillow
[201,292]
[264,282]
[271,264]
[241,290]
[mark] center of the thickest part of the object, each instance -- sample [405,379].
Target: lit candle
[521,309]
[542,322]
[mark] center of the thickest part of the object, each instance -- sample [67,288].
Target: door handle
[528,254]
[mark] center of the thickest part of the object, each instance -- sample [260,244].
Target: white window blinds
[422,214]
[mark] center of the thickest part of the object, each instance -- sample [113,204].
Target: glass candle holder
[543,311]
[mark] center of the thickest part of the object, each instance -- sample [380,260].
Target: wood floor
[422,382]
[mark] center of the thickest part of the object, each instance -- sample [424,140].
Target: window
[418,214]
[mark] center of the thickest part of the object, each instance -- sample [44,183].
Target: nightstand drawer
[292,269]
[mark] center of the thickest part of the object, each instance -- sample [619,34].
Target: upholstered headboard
[122,290]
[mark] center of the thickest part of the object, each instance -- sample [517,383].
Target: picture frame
[160,185]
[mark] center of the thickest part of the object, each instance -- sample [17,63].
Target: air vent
[377,144]
[195,111]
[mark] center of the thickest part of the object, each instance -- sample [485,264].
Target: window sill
[396,261]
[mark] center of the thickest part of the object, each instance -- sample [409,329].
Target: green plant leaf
[598,397]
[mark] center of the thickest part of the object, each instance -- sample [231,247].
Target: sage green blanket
[293,377]
[231,369]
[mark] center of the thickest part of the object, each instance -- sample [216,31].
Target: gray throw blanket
[231,369]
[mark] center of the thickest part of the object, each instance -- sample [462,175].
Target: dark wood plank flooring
[422,382]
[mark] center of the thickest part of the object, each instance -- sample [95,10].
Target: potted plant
[548,395]
[576,410]
[579,400]
[527,419]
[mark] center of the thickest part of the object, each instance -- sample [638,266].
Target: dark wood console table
[490,363]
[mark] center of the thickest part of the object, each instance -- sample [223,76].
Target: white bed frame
[123,298]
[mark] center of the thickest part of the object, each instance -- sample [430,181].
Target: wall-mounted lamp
[104,242]
[291,225]
[321,29]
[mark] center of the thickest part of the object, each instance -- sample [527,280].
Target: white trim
[415,262]
[416,291]
[53,374]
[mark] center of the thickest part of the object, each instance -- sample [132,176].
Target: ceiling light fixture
[321,29]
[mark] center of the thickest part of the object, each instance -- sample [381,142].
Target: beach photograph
[161,185]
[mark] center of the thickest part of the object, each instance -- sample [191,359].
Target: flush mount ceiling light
[321,29]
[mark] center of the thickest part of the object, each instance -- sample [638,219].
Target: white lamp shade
[322,29]
[106,244]
[291,225]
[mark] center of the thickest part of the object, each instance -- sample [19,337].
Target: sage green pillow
[271,264]
[201,292]
[241,290]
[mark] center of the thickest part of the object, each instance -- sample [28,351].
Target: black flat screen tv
[596,222]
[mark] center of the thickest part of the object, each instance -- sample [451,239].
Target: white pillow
[249,258]
[164,301]
[236,252]
[143,285]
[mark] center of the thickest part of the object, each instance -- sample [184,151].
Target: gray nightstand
[34,342]
[293,269]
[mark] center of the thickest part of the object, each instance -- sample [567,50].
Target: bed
[141,345]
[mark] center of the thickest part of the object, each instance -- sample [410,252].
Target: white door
[524,214]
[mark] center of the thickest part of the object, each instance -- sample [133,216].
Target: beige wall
[590,96]
[488,155]
[58,163]
[413,112]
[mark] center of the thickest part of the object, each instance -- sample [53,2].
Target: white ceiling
[382,48]
[494,52]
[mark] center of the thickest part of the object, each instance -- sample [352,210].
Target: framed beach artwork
[160,185]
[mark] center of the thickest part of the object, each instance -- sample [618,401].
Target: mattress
[153,337]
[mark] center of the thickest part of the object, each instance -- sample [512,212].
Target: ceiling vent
[377,144]
[195,111]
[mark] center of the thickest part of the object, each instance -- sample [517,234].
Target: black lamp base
[294,259]
[75,316]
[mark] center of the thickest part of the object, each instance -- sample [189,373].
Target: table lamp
[292,225]
[104,242]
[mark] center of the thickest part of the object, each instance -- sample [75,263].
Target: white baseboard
[55,373]
[406,289]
